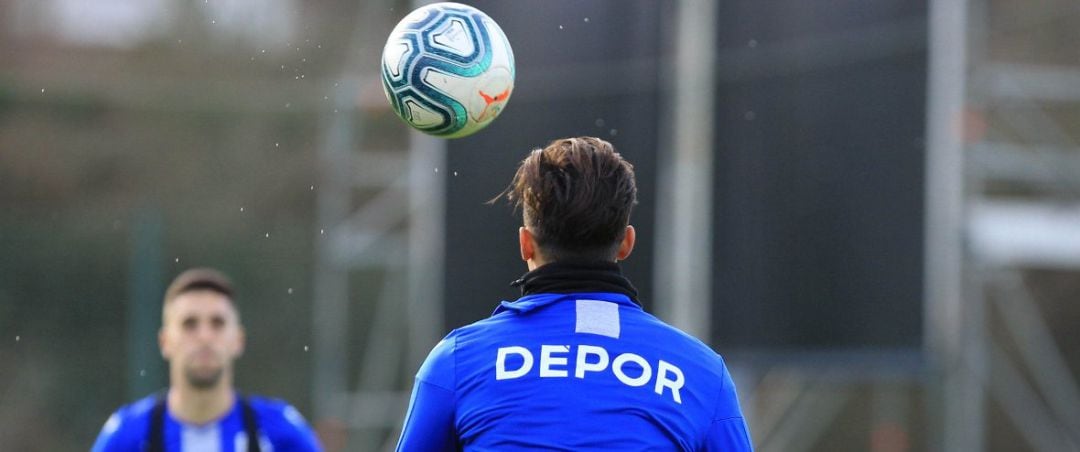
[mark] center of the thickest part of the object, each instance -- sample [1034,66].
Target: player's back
[587,371]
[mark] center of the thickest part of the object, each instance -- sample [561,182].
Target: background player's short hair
[200,279]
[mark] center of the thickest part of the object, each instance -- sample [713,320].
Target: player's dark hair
[576,195]
[199,279]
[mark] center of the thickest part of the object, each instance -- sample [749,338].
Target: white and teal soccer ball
[447,69]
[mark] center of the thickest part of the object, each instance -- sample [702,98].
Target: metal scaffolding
[1002,197]
[1003,172]
[380,223]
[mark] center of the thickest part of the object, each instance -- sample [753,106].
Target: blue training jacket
[574,372]
[281,428]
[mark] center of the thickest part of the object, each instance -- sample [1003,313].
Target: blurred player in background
[201,336]
[575,363]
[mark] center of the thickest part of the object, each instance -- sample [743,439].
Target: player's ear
[627,244]
[241,340]
[526,244]
[162,346]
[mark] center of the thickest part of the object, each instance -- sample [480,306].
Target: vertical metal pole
[952,335]
[144,308]
[427,220]
[330,307]
[683,269]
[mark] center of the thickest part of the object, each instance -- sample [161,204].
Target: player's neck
[201,406]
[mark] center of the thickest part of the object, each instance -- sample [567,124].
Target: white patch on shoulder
[294,417]
[111,425]
[597,317]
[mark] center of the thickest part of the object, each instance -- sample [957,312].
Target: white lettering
[500,363]
[583,364]
[620,361]
[555,362]
[662,371]
[547,360]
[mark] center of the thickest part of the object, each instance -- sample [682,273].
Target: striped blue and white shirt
[281,428]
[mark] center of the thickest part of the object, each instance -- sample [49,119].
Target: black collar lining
[576,277]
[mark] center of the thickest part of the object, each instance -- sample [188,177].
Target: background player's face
[201,336]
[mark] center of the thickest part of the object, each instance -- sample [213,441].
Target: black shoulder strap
[251,425]
[157,425]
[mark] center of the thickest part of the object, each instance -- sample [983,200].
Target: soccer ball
[447,69]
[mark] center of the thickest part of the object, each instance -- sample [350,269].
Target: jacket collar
[533,302]
[572,280]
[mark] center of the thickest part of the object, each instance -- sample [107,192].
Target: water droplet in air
[290,291]
[277,145]
[142,373]
[455,173]
[749,115]
[322,231]
[241,209]
[752,43]
[599,122]
[436,170]
[586,19]
[312,187]
[43,90]
[213,21]
[614,132]
[267,235]
[305,348]
[560,27]
[177,260]
[17,338]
